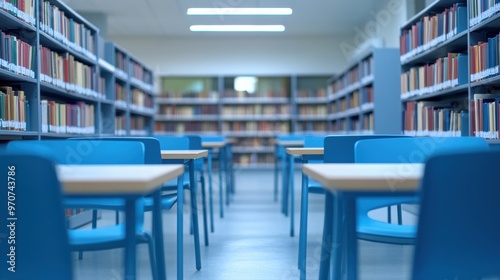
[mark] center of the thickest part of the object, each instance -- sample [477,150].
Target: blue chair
[221,159]
[93,152]
[281,163]
[458,229]
[182,143]
[402,150]
[41,226]
[337,149]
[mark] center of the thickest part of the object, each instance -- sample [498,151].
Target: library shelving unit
[434,70]
[188,105]
[365,97]
[310,104]
[131,89]
[55,81]
[484,46]
[254,111]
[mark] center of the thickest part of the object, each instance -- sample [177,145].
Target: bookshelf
[434,71]
[188,105]
[254,111]
[364,98]
[310,102]
[56,80]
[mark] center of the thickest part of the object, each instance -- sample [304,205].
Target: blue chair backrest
[213,138]
[168,142]
[195,143]
[340,148]
[83,151]
[152,151]
[40,229]
[314,141]
[414,149]
[458,227]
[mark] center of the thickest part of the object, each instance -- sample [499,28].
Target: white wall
[266,55]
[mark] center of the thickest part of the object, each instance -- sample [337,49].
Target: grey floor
[252,241]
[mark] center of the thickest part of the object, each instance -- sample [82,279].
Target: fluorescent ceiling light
[239,11]
[238,28]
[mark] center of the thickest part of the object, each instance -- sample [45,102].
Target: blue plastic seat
[401,150]
[337,149]
[42,247]
[458,228]
[94,152]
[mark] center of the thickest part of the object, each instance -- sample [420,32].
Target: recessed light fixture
[239,11]
[238,28]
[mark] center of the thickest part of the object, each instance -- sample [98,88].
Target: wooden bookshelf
[364,98]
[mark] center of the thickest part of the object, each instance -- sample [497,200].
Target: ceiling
[168,17]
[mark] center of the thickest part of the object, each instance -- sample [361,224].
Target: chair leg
[400,214]
[204,207]
[303,223]
[276,163]
[117,217]
[152,257]
[291,186]
[94,218]
[210,192]
[327,242]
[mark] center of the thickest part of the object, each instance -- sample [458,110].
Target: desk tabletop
[290,143]
[305,151]
[358,177]
[183,154]
[116,179]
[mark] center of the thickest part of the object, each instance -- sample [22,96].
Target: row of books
[484,58]
[141,99]
[269,93]
[258,109]
[444,73]
[480,10]
[205,94]
[22,9]
[312,93]
[138,123]
[14,109]
[255,142]
[433,30]
[345,103]
[16,55]
[64,71]
[65,29]
[77,118]
[138,72]
[283,127]
[313,110]
[312,126]
[178,127]
[427,118]
[350,78]
[120,61]
[367,123]
[190,110]
[120,125]
[485,115]
[120,93]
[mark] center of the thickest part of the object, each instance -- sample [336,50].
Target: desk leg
[130,239]
[286,182]
[326,242]
[210,190]
[194,214]
[351,237]
[276,168]
[338,245]
[221,196]
[180,227]
[226,176]
[158,236]
[303,224]
[291,187]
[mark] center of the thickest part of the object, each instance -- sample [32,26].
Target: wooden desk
[214,144]
[345,183]
[188,157]
[305,151]
[130,182]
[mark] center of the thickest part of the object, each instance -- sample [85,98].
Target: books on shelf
[187,127]
[446,72]
[485,115]
[77,118]
[427,118]
[22,9]
[432,30]
[484,58]
[16,55]
[481,10]
[14,109]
